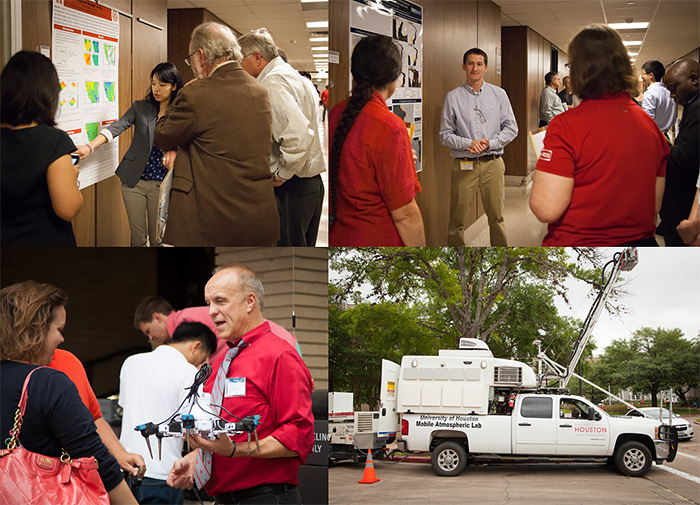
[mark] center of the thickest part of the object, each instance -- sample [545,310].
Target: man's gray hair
[248,281]
[217,41]
[259,41]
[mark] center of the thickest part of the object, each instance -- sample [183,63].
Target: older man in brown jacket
[222,193]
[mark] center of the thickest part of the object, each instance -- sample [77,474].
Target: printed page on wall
[403,22]
[85,40]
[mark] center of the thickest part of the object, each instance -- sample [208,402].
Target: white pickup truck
[466,405]
[541,427]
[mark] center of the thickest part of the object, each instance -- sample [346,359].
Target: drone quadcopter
[203,422]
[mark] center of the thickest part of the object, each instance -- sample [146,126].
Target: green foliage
[652,360]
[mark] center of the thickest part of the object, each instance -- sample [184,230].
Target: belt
[244,494]
[488,157]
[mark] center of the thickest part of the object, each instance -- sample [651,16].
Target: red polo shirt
[278,388]
[614,152]
[376,176]
[69,364]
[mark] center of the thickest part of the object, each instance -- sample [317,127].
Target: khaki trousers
[141,204]
[489,178]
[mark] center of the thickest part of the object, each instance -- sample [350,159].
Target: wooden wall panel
[489,38]
[36,24]
[295,281]
[515,76]
[339,41]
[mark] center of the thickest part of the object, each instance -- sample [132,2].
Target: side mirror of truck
[593,415]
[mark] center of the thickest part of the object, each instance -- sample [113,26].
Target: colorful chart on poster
[85,52]
[110,90]
[403,22]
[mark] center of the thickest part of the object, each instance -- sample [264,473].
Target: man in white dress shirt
[296,159]
[657,101]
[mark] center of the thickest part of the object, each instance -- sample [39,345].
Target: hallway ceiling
[285,19]
[674,25]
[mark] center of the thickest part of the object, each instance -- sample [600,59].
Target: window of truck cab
[537,407]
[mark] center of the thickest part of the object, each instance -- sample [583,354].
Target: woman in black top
[32,317]
[39,195]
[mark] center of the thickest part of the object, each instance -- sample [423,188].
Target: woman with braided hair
[373,181]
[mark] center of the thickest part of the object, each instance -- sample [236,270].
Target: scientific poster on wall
[85,48]
[403,22]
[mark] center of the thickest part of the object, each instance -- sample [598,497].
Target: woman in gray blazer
[144,165]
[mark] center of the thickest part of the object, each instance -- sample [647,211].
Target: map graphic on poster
[92,129]
[110,90]
[403,22]
[93,91]
[85,49]
[110,53]
[69,94]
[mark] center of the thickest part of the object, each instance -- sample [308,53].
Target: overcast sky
[664,291]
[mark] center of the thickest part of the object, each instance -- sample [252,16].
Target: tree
[362,335]
[652,360]
[471,292]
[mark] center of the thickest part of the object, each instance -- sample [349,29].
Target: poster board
[85,48]
[403,22]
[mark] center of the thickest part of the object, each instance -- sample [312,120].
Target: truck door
[534,425]
[577,434]
[388,418]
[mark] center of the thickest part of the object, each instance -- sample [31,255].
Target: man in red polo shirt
[267,377]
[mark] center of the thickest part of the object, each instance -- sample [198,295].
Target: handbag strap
[19,414]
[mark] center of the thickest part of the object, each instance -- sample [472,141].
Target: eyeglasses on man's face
[188,60]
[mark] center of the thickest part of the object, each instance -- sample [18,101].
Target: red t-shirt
[376,176]
[614,152]
[324,97]
[277,386]
[69,364]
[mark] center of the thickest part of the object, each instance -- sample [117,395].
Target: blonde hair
[259,41]
[26,311]
[217,41]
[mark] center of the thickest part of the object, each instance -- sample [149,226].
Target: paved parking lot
[524,484]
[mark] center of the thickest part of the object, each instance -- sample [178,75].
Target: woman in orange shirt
[373,181]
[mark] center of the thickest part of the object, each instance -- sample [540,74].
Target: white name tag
[235,386]
[466,165]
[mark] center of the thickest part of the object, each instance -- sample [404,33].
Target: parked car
[683,427]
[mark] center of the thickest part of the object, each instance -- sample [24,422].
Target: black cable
[202,375]
[224,408]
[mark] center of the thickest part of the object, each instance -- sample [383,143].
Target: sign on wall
[403,22]
[85,47]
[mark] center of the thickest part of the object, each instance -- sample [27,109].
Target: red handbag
[29,478]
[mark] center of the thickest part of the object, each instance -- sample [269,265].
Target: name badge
[466,165]
[235,386]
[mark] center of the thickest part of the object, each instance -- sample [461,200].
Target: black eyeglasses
[187,60]
[480,115]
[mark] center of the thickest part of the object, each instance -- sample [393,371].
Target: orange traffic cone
[369,477]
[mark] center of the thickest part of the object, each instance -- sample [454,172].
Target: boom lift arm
[622,262]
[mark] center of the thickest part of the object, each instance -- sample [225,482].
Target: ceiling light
[319,55]
[317,24]
[633,54]
[632,42]
[313,1]
[627,26]
[318,39]
[319,48]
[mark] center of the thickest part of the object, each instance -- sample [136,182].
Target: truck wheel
[633,459]
[449,459]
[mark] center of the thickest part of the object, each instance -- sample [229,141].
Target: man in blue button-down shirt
[477,122]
